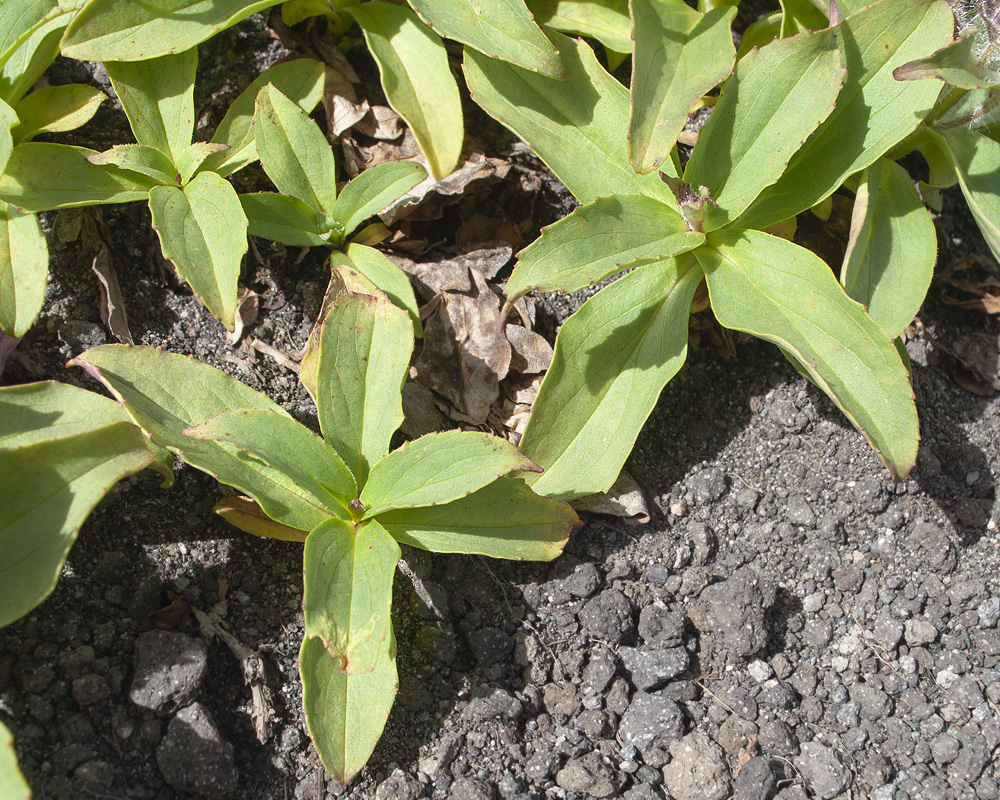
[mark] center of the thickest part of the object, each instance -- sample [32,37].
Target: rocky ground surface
[790,624]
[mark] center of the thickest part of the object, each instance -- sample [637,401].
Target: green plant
[196,212]
[29,42]
[12,785]
[794,121]
[348,498]
[309,211]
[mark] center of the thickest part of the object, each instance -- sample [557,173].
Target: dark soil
[790,624]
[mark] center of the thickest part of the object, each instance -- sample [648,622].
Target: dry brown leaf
[381,123]
[420,414]
[342,113]
[511,416]
[480,228]
[531,353]
[624,499]
[465,354]
[247,309]
[112,306]
[8,344]
[431,278]
[169,616]
[984,294]
[974,362]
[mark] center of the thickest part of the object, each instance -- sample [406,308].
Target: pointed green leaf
[281,218]
[504,519]
[977,164]
[24,266]
[8,120]
[892,248]
[607,21]
[347,590]
[249,517]
[377,267]
[438,468]
[346,714]
[500,29]
[49,489]
[110,30]
[679,55]
[293,151]
[32,47]
[191,159]
[53,109]
[874,111]
[139,158]
[374,190]
[780,292]
[48,410]
[576,126]
[166,394]
[612,359]
[12,783]
[203,231]
[362,354]
[777,96]
[41,176]
[301,81]
[417,80]
[596,241]
[289,447]
[158,98]
[958,63]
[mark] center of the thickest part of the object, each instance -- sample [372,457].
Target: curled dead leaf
[624,500]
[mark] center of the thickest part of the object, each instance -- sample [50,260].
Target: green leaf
[760,33]
[12,783]
[977,164]
[801,15]
[158,98]
[679,55]
[500,29]
[577,126]
[607,21]
[24,266]
[357,361]
[874,111]
[249,517]
[438,468]
[281,218]
[346,714]
[957,63]
[612,359]
[388,277]
[41,176]
[374,190]
[139,158]
[32,47]
[203,231]
[598,240]
[191,159]
[8,120]
[347,588]
[110,30]
[504,519]
[287,446]
[301,81]
[293,151]
[777,96]
[780,292]
[50,487]
[166,394]
[54,109]
[417,80]
[892,248]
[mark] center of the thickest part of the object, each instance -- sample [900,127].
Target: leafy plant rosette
[195,211]
[350,500]
[308,211]
[29,41]
[794,120]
